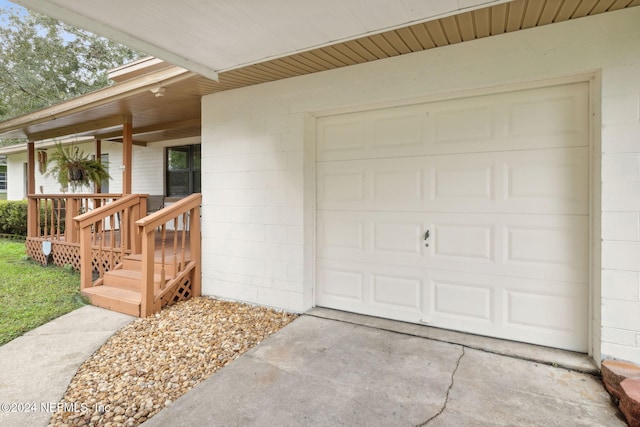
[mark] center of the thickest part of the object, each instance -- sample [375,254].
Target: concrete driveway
[331,368]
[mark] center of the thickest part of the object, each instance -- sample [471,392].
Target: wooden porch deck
[128,262]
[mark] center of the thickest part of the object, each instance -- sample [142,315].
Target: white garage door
[468,214]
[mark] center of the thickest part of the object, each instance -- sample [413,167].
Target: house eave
[18,127]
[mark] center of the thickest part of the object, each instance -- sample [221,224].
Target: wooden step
[134,262]
[130,280]
[116,299]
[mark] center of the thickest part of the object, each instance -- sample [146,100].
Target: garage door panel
[555,179]
[451,125]
[462,178]
[464,301]
[469,214]
[385,291]
[534,181]
[341,135]
[397,238]
[341,187]
[341,285]
[371,236]
[559,112]
[545,313]
[545,247]
[338,232]
[463,242]
[551,312]
[403,129]
[553,117]
[397,186]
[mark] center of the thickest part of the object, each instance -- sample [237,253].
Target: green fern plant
[71,166]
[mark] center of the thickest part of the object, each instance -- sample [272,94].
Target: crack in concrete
[446,398]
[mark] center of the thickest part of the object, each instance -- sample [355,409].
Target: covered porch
[134,254]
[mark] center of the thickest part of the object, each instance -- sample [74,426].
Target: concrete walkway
[36,368]
[331,368]
[323,371]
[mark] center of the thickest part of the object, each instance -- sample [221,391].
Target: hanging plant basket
[75,174]
[71,166]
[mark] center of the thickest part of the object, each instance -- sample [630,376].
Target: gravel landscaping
[151,362]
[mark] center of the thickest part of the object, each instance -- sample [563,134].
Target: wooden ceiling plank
[549,12]
[465,24]
[361,50]
[566,10]
[436,33]
[409,39]
[383,44]
[394,39]
[308,63]
[515,15]
[482,18]
[259,73]
[242,75]
[312,57]
[619,4]
[532,13]
[275,72]
[282,66]
[323,54]
[294,63]
[350,53]
[602,6]
[331,50]
[88,126]
[584,8]
[499,18]
[450,27]
[423,36]
[368,44]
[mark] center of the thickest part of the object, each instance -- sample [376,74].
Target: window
[3,181]
[183,170]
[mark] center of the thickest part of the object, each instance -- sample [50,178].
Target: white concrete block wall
[251,133]
[620,331]
[15,176]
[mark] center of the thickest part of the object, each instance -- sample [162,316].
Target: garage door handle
[426,237]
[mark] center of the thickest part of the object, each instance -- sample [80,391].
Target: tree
[44,61]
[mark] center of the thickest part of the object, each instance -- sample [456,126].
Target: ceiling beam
[154,128]
[79,128]
[121,140]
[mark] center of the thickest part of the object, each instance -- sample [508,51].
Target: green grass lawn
[30,294]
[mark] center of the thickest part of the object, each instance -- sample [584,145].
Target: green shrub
[13,217]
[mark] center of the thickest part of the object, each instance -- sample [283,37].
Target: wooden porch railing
[183,220]
[50,218]
[107,234]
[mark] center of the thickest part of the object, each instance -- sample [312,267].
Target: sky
[4,4]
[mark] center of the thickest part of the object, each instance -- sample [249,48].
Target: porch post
[98,185]
[32,206]
[31,168]
[127,155]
